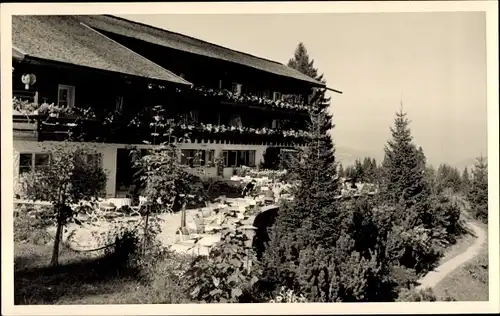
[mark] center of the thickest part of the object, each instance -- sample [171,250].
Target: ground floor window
[33,162]
[94,160]
[238,158]
[197,157]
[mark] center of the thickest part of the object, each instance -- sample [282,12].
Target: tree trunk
[144,243]
[57,241]
[183,216]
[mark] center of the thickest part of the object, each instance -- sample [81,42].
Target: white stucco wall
[109,152]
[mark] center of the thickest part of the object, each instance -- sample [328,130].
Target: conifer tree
[359,171]
[311,249]
[478,194]
[404,171]
[466,182]
[310,220]
[448,178]
[305,65]
[341,171]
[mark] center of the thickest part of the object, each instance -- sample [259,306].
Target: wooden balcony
[46,128]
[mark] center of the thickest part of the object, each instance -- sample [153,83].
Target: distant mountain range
[347,156]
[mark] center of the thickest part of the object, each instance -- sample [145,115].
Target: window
[25,163]
[66,95]
[235,121]
[119,103]
[276,123]
[190,117]
[196,157]
[211,156]
[276,96]
[225,155]
[94,160]
[237,158]
[236,88]
[33,162]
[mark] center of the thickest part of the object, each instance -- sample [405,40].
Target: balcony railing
[45,128]
[224,95]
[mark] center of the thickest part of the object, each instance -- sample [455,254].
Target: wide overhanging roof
[192,45]
[66,39]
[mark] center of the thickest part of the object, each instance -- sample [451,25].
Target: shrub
[68,179]
[288,296]
[421,295]
[413,295]
[31,222]
[225,276]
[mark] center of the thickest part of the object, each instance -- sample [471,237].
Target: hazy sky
[435,61]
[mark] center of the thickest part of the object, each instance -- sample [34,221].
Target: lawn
[81,280]
[468,282]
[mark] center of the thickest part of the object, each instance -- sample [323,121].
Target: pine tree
[448,178]
[478,194]
[430,178]
[310,220]
[466,182]
[311,249]
[404,171]
[341,171]
[305,65]
[367,170]
[359,171]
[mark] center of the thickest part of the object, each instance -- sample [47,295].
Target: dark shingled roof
[188,44]
[64,39]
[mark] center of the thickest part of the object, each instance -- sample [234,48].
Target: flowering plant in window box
[248,98]
[30,108]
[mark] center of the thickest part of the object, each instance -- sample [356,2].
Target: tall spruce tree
[478,194]
[311,219]
[315,244]
[305,65]
[404,170]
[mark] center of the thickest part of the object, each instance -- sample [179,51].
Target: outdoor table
[119,202]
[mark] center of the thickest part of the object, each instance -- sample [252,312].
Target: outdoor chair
[136,210]
[187,238]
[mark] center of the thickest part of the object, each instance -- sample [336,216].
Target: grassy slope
[468,282]
[79,280]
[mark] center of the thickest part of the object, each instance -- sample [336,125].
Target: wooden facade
[232,111]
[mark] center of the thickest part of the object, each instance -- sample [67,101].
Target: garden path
[434,277]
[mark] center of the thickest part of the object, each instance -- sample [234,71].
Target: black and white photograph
[249,153]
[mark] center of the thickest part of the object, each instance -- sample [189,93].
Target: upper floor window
[119,103]
[235,120]
[236,88]
[276,96]
[190,117]
[66,95]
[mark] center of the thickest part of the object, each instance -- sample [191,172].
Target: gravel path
[434,277]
